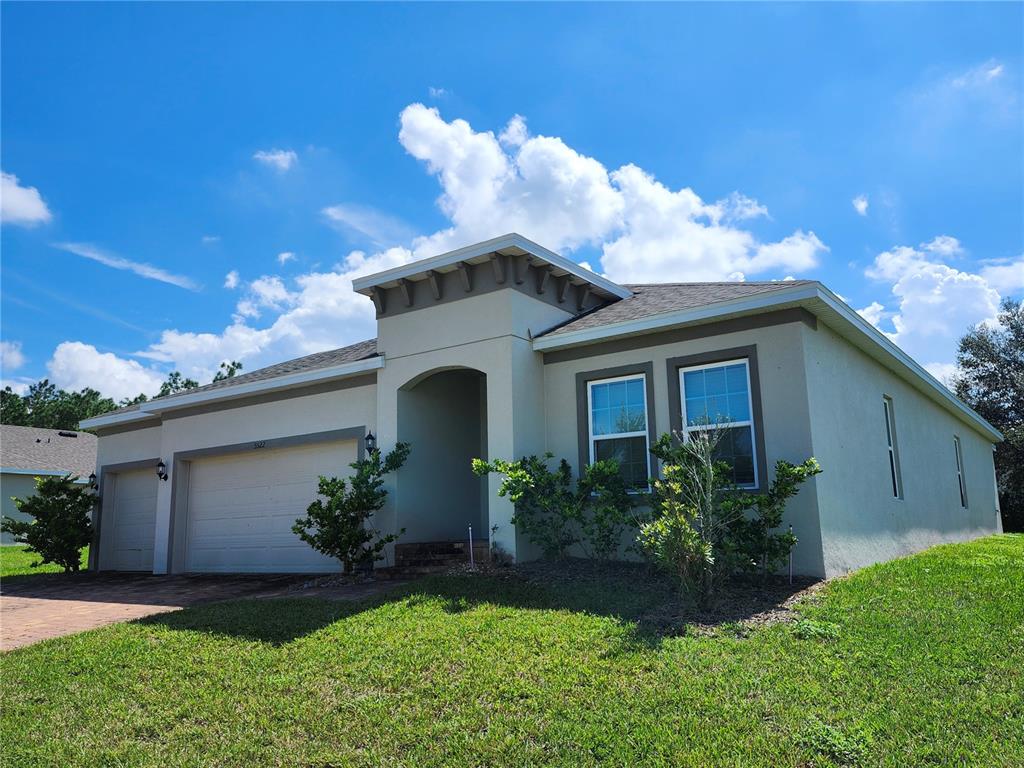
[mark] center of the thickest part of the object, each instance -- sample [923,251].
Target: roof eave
[154,408]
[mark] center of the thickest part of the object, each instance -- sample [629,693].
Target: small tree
[555,513]
[60,524]
[336,525]
[703,530]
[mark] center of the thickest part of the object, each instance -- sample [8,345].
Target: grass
[914,662]
[16,560]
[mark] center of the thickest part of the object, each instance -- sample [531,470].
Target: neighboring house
[27,453]
[504,349]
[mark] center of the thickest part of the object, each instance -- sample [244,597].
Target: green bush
[337,524]
[702,530]
[60,526]
[555,513]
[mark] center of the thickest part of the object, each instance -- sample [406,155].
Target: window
[958,453]
[894,455]
[618,425]
[717,396]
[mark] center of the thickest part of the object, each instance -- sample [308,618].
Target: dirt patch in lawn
[739,606]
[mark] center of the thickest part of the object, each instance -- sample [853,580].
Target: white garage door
[241,508]
[127,536]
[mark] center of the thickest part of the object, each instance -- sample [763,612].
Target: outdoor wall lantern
[161,470]
[371,442]
[92,481]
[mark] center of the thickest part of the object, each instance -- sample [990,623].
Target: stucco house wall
[15,485]
[783,387]
[861,521]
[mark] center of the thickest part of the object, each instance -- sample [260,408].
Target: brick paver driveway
[49,605]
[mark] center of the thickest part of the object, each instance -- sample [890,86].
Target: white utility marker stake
[472,563]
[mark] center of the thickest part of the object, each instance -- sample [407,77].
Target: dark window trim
[583,416]
[675,406]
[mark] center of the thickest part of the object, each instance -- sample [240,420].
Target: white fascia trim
[851,316]
[510,240]
[154,408]
[673,319]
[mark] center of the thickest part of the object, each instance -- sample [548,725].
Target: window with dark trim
[961,483]
[892,447]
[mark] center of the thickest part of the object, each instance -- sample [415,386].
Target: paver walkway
[39,607]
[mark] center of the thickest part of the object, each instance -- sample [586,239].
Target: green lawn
[16,560]
[916,662]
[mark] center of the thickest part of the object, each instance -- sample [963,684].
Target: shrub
[337,524]
[60,524]
[702,530]
[555,513]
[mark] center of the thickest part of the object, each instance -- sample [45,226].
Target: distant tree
[991,381]
[176,383]
[139,398]
[227,370]
[47,407]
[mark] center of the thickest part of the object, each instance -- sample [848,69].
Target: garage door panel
[241,508]
[127,535]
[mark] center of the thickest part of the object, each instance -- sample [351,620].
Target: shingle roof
[358,351]
[658,298]
[39,450]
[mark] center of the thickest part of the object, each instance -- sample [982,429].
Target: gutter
[811,297]
[153,408]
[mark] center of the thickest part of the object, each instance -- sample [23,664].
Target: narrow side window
[959,456]
[618,426]
[893,447]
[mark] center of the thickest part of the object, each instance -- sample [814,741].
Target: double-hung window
[960,471]
[717,397]
[894,455]
[618,425]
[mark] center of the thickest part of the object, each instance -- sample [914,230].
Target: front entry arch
[443,416]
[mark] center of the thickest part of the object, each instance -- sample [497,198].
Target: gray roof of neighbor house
[657,298]
[28,449]
[358,351]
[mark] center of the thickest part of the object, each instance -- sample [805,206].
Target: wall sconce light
[161,470]
[371,442]
[92,481]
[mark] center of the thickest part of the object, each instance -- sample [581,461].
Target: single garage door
[241,508]
[126,537]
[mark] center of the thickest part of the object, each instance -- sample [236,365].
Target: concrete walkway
[39,607]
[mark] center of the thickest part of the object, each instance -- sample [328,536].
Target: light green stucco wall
[12,485]
[861,521]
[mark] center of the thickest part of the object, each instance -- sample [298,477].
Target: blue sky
[189,183]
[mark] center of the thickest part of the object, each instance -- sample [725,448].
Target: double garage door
[239,512]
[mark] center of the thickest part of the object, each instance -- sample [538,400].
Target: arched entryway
[443,416]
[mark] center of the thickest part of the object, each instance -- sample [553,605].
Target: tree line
[48,407]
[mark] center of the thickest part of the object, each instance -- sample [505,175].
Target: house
[27,453]
[503,349]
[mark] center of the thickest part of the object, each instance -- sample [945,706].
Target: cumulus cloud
[285,256]
[437,93]
[279,159]
[860,204]
[11,356]
[1005,275]
[75,365]
[20,205]
[148,271]
[933,304]
[490,184]
[231,279]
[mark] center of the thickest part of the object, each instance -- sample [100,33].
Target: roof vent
[68,434]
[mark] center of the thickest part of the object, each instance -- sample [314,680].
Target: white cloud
[944,372]
[75,365]
[210,239]
[231,279]
[1005,275]
[977,77]
[536,185]
[437,93]
[285,256]
[21,205]
[380,228]
[860,204]
[19,385]
[278,159]
[935,304]
[148,271]
[11,356]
